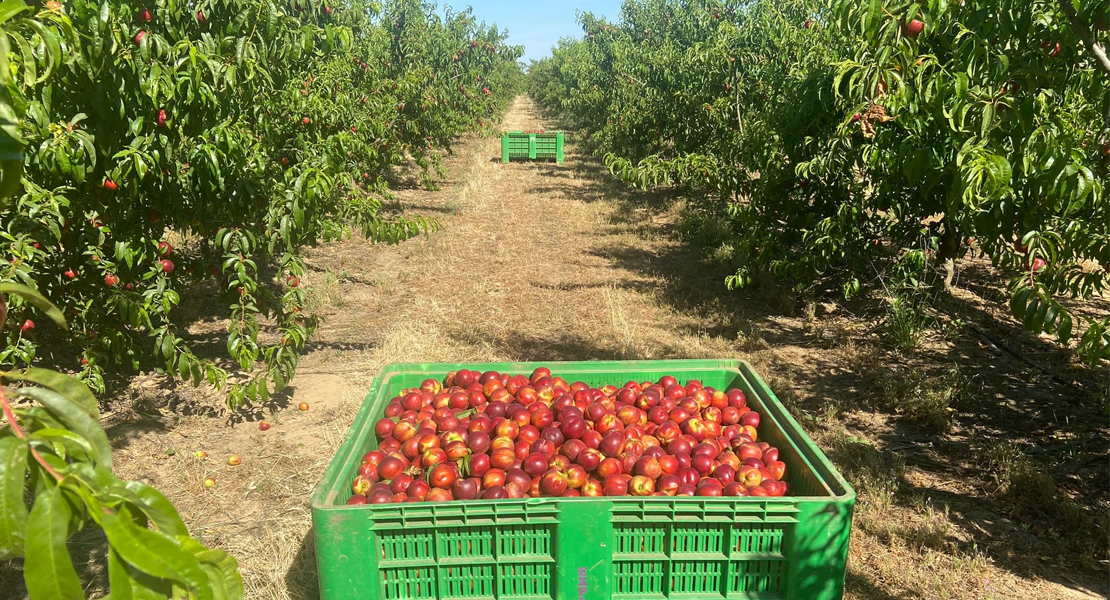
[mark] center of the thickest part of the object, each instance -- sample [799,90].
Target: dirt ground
[980,459]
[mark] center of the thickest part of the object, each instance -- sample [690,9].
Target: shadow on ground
[302,580]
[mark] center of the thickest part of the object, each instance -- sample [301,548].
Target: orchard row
[843,144]
[493,436]
[177,147]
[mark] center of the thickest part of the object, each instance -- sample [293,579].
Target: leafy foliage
[239,131]
[845,145]
[55,453]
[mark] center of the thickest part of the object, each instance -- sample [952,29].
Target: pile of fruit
[493,435]
[534,131]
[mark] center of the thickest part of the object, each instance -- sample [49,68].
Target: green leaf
[48,569]
[988,119]
[1029,320]
[154,553]
[13,512]
[1019,301]
[11,8]
[128,584]
[37,300]
[183,366]
[1050,316]
[222,569]
[70,387]
[74,417]
[1064,333]
[65,443]
[158,509]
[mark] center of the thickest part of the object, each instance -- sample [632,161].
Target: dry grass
[546,262]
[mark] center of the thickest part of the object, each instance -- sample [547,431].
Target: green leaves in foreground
[56,479]
[66,454]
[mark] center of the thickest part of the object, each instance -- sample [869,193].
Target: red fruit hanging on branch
[913,28]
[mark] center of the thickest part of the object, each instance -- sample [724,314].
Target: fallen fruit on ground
[264,425]
[496,436]
[233,460]
[302,406]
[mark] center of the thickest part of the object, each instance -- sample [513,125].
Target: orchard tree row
[867,144]
[169,144]
[56,474]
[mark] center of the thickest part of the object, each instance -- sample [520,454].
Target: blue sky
[538,25]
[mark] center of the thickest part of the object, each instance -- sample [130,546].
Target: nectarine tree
[252,129]
[56,474]
[852,142]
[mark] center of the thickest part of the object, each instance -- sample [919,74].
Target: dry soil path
[534,262]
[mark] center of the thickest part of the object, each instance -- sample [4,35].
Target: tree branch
[739,121]
[7,409]
[1084,33]
[1097,50]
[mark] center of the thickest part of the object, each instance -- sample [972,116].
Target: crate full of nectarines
[606,480]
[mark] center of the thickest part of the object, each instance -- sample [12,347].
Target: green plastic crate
[589,548]
[532,146]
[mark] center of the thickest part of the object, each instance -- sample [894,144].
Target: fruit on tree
[1053,48]
[913,28]
[111,280]
[167,265]
[28,325]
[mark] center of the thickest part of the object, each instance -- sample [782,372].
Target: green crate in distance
[517,145]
